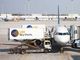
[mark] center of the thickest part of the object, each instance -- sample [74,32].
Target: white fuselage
[61,35]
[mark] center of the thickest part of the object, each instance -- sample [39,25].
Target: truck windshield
[46,43]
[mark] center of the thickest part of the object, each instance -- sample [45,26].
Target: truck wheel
[23,51]
[20,51]
[11,51]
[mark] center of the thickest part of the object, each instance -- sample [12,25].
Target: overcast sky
[39,6]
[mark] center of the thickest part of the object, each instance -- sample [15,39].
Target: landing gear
[61,50]
[56,48]
[73,45]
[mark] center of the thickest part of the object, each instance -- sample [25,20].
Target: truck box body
[26,33]
[41,26]
[32,36]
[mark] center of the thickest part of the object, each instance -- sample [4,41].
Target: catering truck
[33,38]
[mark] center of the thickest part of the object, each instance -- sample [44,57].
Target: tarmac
[70,54]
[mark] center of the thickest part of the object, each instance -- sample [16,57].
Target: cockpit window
[59,33]
[62,33]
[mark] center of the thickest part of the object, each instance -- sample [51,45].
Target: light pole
[72,7]
[28,6]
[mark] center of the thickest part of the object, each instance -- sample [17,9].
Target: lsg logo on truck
[14,33]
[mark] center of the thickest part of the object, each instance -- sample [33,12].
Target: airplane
[6,17]
[61,36]
[61,32]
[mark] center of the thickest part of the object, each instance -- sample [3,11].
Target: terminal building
[13,17]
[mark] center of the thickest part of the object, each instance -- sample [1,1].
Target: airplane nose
[62,39]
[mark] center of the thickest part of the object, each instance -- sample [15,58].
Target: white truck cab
[47,44]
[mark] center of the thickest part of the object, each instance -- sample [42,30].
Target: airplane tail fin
[58,16]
